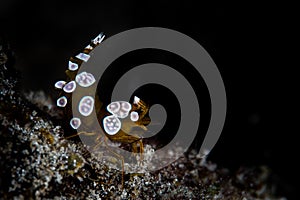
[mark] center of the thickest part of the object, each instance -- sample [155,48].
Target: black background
[251,44]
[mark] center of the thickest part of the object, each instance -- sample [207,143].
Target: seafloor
[37,162]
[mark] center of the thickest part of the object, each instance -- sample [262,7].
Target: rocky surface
[37,162]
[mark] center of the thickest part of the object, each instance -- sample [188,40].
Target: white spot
[134,116]
[119,108]
[61,101]
[72,66]
[125,106]
[111,128]
[75,123]
[113,107]
[86,105]
[98,39]
[70,87]
[83,56]
[89,47]
[60,84]
[136,100]
[85,79]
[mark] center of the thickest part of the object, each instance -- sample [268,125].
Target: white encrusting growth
[61,101]
[111,125]
[134,116]
[85,79]
[60,84]
[86,105]
[83,56]
[75,123]
[98,39]
[70,87]
[119,108]
[72,66]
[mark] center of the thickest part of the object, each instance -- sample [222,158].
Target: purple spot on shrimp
[70,87]
[62,101]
